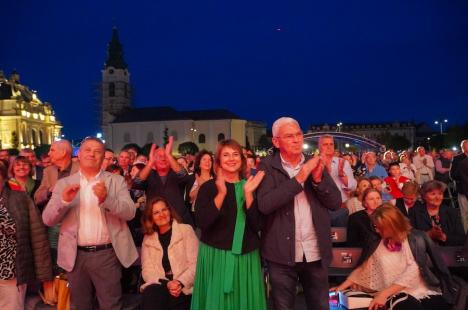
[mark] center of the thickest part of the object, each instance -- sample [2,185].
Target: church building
[122,123]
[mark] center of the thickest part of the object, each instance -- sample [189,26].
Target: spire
[115,52]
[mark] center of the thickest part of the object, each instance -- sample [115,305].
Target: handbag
[56,292]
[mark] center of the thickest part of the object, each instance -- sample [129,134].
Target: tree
[398,142]
[14,140]
[146,149]
[41,150]
[132,146]
[188,148]
[166,136]
[265,142]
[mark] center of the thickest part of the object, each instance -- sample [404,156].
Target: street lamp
[437,122]
[338,126]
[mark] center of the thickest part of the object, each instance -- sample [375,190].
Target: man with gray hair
[60,154]
[93,207]
[295,196]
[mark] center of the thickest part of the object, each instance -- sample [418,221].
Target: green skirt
[224,281]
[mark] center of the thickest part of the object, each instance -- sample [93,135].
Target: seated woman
[21,172]
[168,258]
[24,249]
[442,223]
[395,180]
[410,191]
[354,204]
[360,229]
[395,267]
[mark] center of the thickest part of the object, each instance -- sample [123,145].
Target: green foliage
[14,140]
[188,148]
[41,150]
[265,142]
[166,136]
[132,145]
[146,149]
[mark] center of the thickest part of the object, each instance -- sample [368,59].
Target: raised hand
[100,191]
[69,193]
[220,182]
[253,182]
[168,148]
[152,154]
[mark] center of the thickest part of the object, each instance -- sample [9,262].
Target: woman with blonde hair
[395,267]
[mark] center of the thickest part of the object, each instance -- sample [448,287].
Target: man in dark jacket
[164,177]
[459,174]
[295,197]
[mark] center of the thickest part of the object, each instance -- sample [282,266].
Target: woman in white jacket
[168,257]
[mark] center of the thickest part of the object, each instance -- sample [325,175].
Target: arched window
[34,137]
[41,137]
[201,138]
[111,90]
[221,137]
[126,137]
[149,137]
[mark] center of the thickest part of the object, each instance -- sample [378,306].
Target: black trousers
[403,301]
[156,296]
[313,277]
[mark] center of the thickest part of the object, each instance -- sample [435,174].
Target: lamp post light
[440,123]
[338,126]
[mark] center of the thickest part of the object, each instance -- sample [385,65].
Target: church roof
[115,57]
[170,114]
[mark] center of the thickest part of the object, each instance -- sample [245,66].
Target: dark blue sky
[328,61]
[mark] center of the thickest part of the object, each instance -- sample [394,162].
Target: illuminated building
[25,121]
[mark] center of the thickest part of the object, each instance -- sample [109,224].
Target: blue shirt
[378,171]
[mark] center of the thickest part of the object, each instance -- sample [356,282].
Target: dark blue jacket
[450,222]
[275,198]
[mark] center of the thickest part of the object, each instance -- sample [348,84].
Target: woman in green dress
[229,274]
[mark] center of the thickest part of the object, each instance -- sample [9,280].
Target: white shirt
[384,268]
[408,171]
[344,189]
[424,169]
[92,229]
[306,238]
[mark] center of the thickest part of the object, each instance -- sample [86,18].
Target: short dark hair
[234,145]
[429,186]
[95,140]
[198,159]
[393,163]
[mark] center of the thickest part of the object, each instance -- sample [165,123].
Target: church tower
[115,86]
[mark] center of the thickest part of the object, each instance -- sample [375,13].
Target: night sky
[349,61]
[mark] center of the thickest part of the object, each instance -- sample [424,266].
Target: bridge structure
[344,140]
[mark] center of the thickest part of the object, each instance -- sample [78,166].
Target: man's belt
[95,248]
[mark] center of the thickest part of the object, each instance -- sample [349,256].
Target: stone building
[25,121]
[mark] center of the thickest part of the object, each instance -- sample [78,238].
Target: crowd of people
[207,224]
